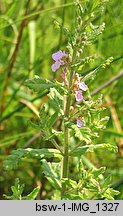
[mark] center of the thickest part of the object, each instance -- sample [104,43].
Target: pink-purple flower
[79,96]
[57,57]
[79,123]
[79,87]
[56,66]
[83,86]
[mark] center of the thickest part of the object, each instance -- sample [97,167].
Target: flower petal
[83,86]
[79,123]
[79,96]
[56,66]
[58,55]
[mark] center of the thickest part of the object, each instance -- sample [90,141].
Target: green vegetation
[41,146]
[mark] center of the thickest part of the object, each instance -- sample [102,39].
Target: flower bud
[83,42]
[80,51]
[78,40]
[79,21]
[84,38]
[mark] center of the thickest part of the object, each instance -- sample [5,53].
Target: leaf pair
[17,191]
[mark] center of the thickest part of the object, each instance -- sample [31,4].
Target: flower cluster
[79,87]
[57,57]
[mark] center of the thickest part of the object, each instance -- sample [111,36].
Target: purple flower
[79,123]
[57,57]
[83,86]
[56,66]
[79,96]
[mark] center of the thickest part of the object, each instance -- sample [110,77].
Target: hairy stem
[65,167]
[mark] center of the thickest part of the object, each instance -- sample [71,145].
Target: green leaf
[32,195]
[33,125]
[69,182]
[84,134]
[46,121]
[92,74]
[73,196]
[51,173]
[56,100]
[17,191]
[91,148]
[60,87]
[58,134]
[70,49]
[109,193]
[42,113]
[12,161]
[39,84]
[99,172]
[44,118]
[81,9]
[52,119]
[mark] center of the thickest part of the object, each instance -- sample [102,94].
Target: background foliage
[40,38]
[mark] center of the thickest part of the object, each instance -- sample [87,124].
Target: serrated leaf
[83,134]
[59,134]
[99,172]
[49,169]
[17,191]
[56,100]
[91,75]
[109,193]
[69,182]
[52,119]
[60,87]
[12,161]
[39,84]
[81,9]
[70,49]
[42,113]
[32,195]
[91,148]
[44,119]
[73,196]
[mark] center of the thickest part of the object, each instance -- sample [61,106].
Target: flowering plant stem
[65,167]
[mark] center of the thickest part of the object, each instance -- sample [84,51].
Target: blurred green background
[39,39]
